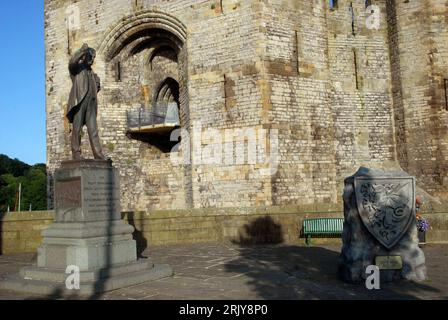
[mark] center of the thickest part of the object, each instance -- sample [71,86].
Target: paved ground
[226,271]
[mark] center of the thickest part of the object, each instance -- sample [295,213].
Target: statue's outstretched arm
[76,59]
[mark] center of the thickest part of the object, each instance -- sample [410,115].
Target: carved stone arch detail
[129,27]
[167,85]
[134,33]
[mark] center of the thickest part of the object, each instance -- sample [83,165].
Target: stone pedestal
[380,227]
[88,234]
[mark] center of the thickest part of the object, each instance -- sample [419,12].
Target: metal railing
[162,113]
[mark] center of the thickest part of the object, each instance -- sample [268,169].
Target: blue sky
[22,80]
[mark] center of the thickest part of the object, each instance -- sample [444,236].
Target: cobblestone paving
[226,271]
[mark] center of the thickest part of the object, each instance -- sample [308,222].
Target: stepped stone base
[89,236]
[40,281]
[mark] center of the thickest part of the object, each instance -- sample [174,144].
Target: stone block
[88,233]
[379,212]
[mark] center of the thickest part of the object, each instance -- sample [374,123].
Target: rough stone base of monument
[380,222]
[89,235]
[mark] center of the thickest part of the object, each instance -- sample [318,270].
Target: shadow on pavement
[280,271]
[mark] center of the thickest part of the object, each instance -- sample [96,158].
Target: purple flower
[422,225]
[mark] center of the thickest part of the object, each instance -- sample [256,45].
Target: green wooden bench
[322,227]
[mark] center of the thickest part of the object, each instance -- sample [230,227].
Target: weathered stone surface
[87,233]
[87,190]
[341,95]
[379,210]
[385,205]
[234,272]
[21,231]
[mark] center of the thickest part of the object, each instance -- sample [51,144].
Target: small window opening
[333,4]
[69,50]
[297,51]
[446,94]
[118,71]
[355,62]
[352,14]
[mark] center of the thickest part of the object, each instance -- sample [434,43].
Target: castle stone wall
[419,57]
[310,84]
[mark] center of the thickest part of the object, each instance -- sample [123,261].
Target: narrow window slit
[297,51]
[225,93]
[446,94]
[352,13]
[355,62]
[69,50]
[118,71]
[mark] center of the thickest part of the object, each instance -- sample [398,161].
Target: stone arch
[160,50]
[134,26]
[155,29]
[167,90]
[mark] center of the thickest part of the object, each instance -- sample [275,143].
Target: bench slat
[322,226]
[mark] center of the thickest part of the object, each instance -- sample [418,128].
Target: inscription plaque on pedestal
[101,196]
[389,262]
[67,193]
[89,233]
[87,192]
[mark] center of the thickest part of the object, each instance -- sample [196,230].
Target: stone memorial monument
[380,227]
[88,236]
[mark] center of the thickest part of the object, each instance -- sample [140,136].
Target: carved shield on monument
[386,206]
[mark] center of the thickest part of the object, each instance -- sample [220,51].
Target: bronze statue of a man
[83,101]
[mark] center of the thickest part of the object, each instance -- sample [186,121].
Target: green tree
[8,188]
[13,166]
[33,180]
[34,189]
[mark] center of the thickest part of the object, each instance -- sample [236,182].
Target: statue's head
[90,54]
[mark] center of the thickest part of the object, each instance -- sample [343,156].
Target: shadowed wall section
[21,231]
